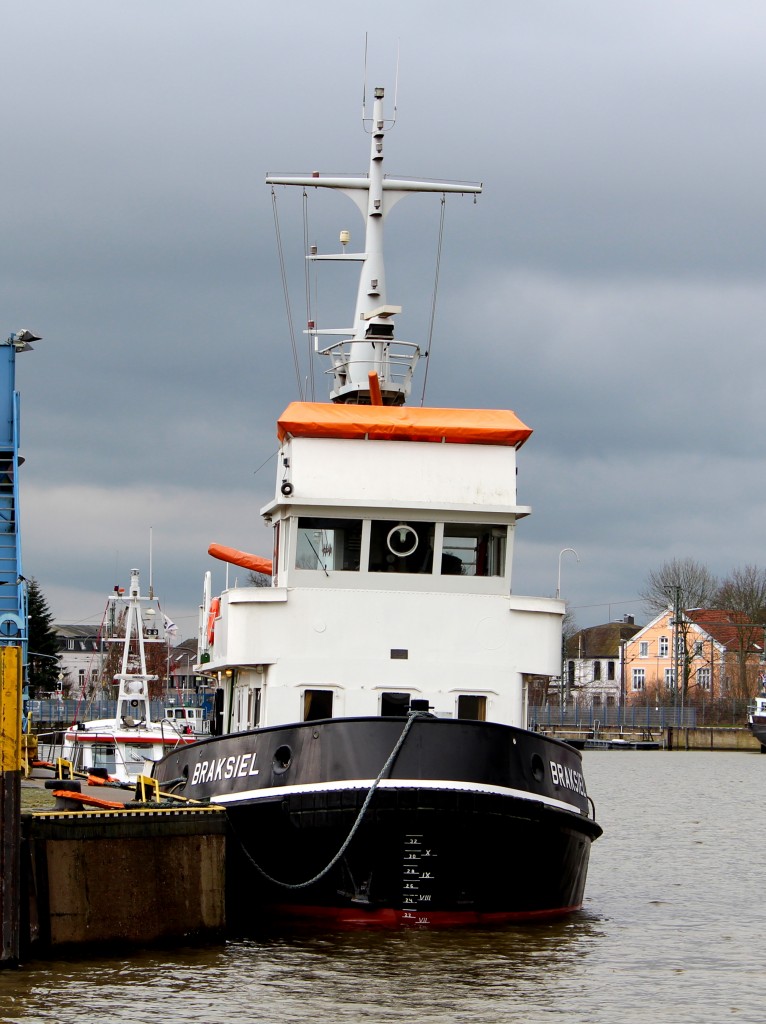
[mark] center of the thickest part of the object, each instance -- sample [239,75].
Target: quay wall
[669,738]
[131,877]
[711,738]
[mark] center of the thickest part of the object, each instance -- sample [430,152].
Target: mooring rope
[359,818]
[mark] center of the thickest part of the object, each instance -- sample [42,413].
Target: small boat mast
[370,365]
[133,686]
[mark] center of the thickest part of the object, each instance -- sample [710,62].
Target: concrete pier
[129,876]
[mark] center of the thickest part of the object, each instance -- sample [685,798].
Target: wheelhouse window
[394,705]
[401,547]
[328,544]
[317,704]
[473,706]
[473,550]
[104,756]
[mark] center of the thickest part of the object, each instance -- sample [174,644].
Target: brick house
[718,652]
[593,673]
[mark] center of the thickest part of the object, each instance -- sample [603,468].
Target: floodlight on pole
[563,552]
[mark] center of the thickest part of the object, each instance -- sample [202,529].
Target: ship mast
[370,346]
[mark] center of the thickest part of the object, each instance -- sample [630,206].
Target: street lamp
[563,552]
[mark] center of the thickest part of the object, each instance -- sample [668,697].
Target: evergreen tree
[43,647]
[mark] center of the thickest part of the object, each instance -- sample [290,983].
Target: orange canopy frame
[402,423]
[247,561]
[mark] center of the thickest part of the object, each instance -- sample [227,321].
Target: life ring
[403,533]
[212,615]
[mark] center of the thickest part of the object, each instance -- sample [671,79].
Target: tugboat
[369,731]
[121,747]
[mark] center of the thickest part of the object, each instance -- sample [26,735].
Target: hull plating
[473,822]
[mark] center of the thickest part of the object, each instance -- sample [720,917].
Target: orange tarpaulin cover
[402,423]
[243,558]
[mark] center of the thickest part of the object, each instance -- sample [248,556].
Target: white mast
[134,686]
[370,344]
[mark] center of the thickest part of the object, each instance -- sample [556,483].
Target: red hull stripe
[356,917]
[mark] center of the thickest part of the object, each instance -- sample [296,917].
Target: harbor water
[670,931]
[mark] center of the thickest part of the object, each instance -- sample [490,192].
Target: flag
[170,627]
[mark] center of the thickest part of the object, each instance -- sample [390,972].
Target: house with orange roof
[706,653]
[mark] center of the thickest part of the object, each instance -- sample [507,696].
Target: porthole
[538,768]
[283,758]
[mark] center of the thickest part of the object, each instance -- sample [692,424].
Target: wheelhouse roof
[402,423]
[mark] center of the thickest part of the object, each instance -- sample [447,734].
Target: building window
[639,678]
[697,653]
[596,700]
[317,704]
[571,673]
[703,678]
[596,670]
[469,550]
[670,680]
[472,706]
[643,648]
[663,646]
[328,544]
[70,645]
[610,670]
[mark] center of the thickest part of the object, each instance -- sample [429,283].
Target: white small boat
[190,721]
[127,745]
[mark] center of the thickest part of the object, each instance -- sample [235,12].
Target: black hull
[472,823]
[758,727]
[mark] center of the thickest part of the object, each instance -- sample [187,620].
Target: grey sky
[608,286]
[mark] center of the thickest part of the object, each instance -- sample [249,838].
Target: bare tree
[258,579]
[742,594]
[744,590]
[683,582]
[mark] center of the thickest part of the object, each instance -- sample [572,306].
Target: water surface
[670,932]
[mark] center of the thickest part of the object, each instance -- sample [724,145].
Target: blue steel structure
[13,593]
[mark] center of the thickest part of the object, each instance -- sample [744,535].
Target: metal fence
[58,713]
[725,711]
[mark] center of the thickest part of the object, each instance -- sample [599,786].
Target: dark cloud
[608,285]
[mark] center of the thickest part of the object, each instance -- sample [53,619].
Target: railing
[48,713]
[630,717]
[726,711]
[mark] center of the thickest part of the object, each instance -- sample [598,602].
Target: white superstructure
[393,534]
